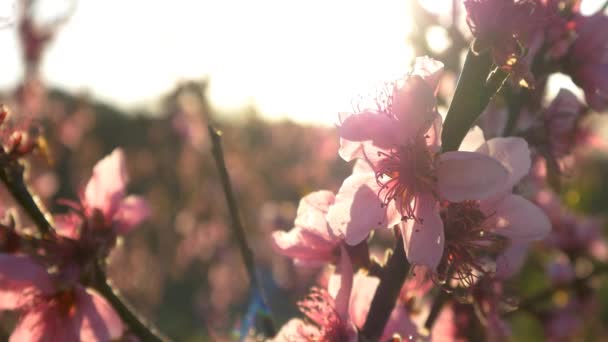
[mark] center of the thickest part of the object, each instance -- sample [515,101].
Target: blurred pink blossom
[104,204]
[52,311]
[587,60]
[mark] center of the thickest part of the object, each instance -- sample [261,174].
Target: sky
[302,59]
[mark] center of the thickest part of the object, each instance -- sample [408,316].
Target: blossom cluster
[467,218]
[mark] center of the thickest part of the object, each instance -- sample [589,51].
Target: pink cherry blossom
[340,310]
[50,312]
[311,241]
[498,228]
[401,175]
[104,204]
[587,59]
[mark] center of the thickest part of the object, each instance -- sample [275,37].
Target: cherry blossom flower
[50,310]
[311,241]
[493,229]
[337,313]
[402,176]
[104,206]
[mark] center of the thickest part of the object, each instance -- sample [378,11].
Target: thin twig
[137,325]
[393,276]
[12,177]
[237,227]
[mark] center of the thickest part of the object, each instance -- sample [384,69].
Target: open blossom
[587,59]
[336,313]
[50,310]
[310,242]
[104,205]
[496,229]
[401,175]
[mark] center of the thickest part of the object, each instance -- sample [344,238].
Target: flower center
[404,173]
[469,244]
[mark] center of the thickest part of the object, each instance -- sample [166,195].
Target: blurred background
[149,76]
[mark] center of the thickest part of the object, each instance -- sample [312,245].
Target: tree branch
[11,174]
[137,325]
[393,276]
[237,227]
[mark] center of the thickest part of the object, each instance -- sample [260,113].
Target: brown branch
[393,276]
[137,325]
[237,227]
[11,175]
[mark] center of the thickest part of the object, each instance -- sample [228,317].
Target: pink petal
[364,289]
[469,176]
[342,298]
[433,135]
[473,140]
[44,323]
[429,69]
[424,241]
[99,320]
[511,261]
[513,154]
[414,104]
[312,210]
[302,244]
[21,278]
[107,185]
[518,219]
[362,135]
[131,212]
[358,210]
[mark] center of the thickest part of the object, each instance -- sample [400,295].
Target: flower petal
[358,210]
[469,176]
[424,240]
[473,140]
[107,185]
[132,211]
[518,219]
[312,210]
[513,154]
[363,134]
[414,105]
[343,294]
[429,69]
[20,279]
[511,261]
[301,244]
[45,323]
[99,320]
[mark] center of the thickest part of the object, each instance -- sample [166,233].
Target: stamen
[404,173]
[469,243]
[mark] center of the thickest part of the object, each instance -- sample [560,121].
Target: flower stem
[11,175]
[137,325]
[438,303]
[473,93]
[237,227]
[393,276]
